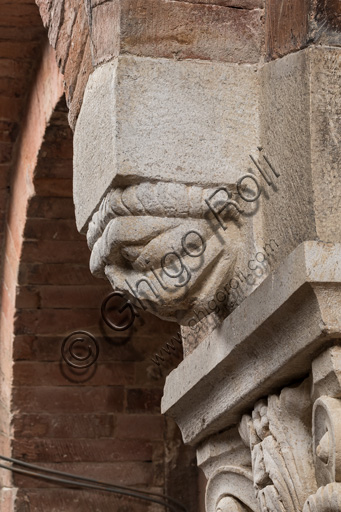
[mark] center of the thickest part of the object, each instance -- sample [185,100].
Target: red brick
[8,130]
[105,34]
[287,26]
[17,50]
[143,400]
[55,20]
[61,297]
[15,16]
[182,30]
[67,500]
[23,33]
[75,97]
[27,298]
[52,229]
[60,208]
[12,69]
[73,297]
[10,110]
[4,175]
[67,425]
[59,129]
[80,33]
[138,426]
[57,274]
[119,473]
[240,4]
[60,399]
[4,196]
[57,147]
[52,168]
[50,321]
[65,33]
[47,348]
[60,374]
[55,251]
[5,151]
[11,87]
[53,187]
[82,450]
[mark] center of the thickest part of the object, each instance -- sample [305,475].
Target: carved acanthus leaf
[279,435]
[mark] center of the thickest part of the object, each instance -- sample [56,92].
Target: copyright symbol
[125,310]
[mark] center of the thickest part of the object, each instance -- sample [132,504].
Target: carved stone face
[154,139]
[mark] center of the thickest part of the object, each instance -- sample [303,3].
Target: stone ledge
[268,341]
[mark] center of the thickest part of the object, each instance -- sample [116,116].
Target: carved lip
[139,224]
[162,199]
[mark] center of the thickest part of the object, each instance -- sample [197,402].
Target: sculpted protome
[170,134]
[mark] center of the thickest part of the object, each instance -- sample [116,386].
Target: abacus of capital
[159,129]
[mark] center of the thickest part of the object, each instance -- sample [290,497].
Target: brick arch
[105,423]
[108,425]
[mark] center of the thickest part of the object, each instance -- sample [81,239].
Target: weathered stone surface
[190,135]
[68,32]
[105,31]
[300,126]
[243,4]
[292,25]
[193,122]
[326,372]
[270,339]
[187,30]
[287,26]
[224,31]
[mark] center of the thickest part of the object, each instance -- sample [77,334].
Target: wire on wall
[80,482]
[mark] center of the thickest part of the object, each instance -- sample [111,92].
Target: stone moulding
[269,341]
[241,496]
[284,454]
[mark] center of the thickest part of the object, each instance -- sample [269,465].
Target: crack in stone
[210,4]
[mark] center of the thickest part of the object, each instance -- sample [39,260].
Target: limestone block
[301,127]
[269,340]
[223,449]
[154,119]
[326,372]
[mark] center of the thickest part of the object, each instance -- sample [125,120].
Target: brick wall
[85,37]
[103,422]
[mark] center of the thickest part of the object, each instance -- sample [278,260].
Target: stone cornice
[269,340]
